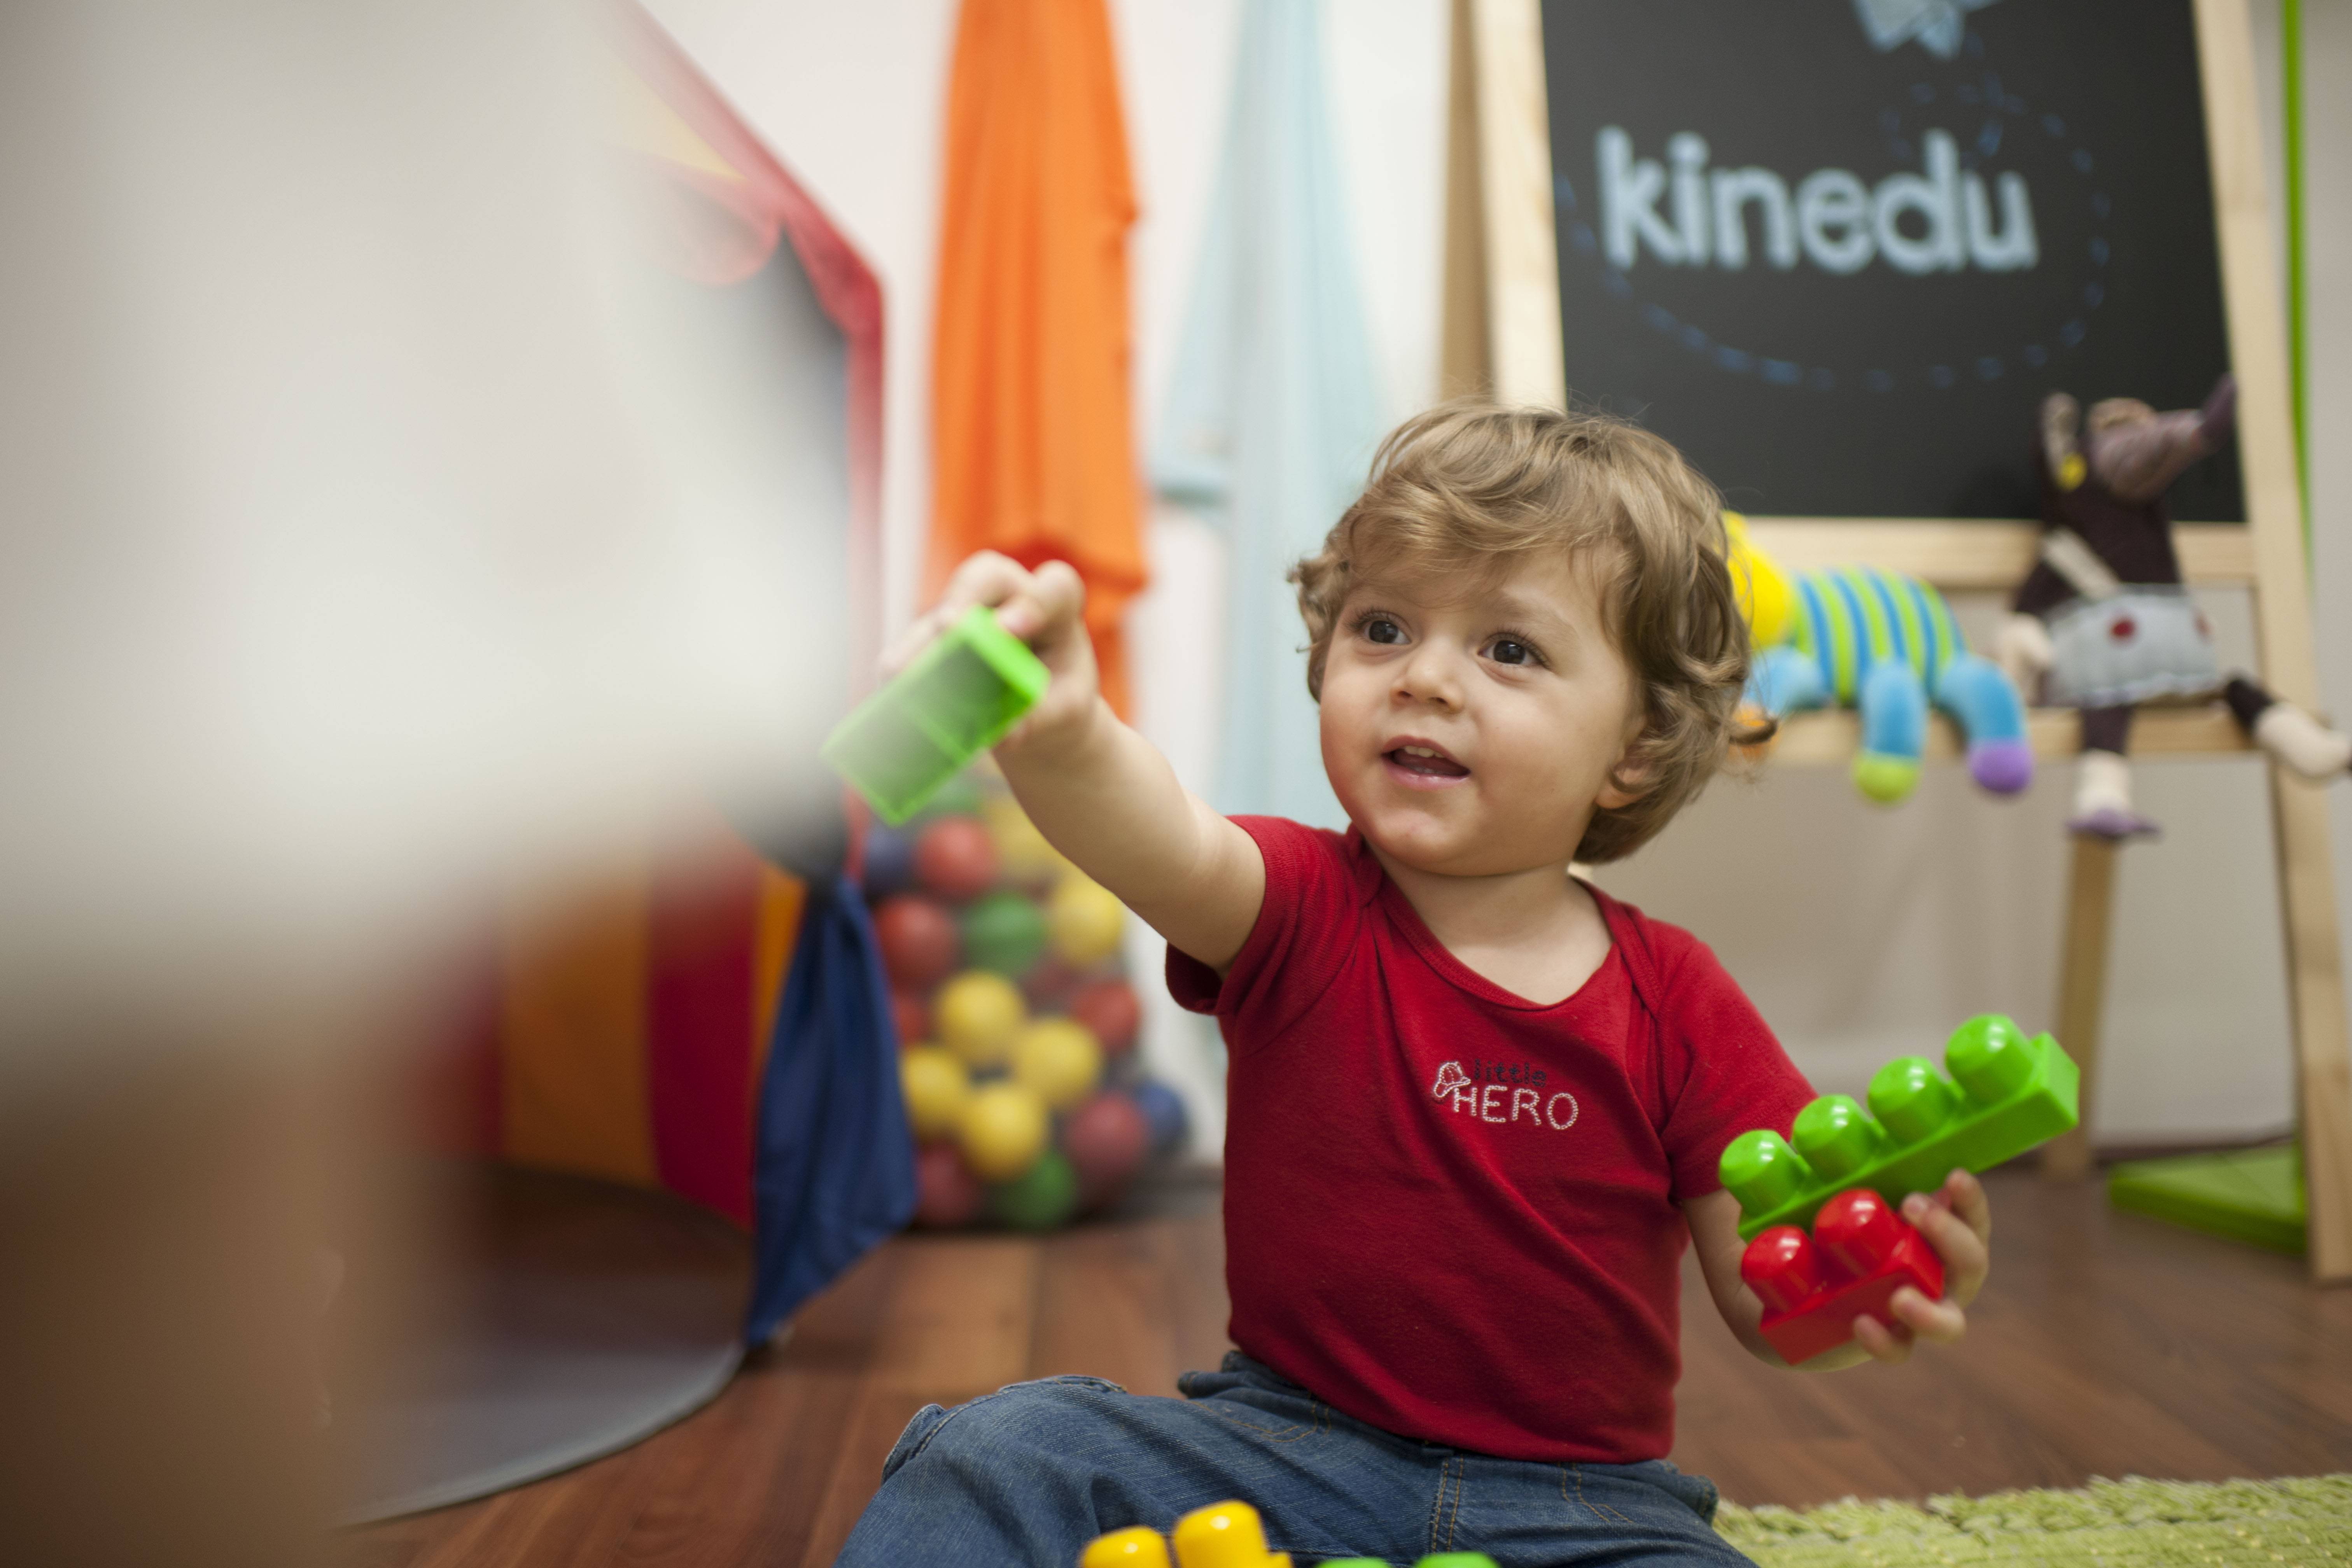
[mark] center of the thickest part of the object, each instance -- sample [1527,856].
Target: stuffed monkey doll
[2104,621]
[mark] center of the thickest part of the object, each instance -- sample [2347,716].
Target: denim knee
[1019,1414]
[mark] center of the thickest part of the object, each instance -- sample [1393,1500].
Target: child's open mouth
[1419,762]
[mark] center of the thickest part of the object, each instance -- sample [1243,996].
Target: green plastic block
[2252,1195]
[955,701]
[2005,1094]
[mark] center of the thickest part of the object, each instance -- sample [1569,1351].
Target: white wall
[1861,933]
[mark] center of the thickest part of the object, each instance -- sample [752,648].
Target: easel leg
[2316,993]
[2082,991]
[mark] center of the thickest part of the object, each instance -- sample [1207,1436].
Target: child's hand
[1957,1223]
[1045,608]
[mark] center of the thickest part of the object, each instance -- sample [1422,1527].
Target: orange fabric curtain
[1033,444]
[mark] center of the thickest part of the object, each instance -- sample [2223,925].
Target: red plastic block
[1813,1286]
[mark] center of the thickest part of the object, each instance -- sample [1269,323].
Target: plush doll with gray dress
[2103,622]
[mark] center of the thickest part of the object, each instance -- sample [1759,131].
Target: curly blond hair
[1475,487]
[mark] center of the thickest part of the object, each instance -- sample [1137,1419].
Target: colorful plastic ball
[1109,1009]
[1022,852]
[946,1192]
[889,861]
[1002,1131]
[1084,920]
[920,942]
[954,858]
[1004,932]
[1107,1140]
[976,1014]
[1048,984]
[1059,1059]
[1040,1198]
[936,1087]
[1165,1112]
[910,1017]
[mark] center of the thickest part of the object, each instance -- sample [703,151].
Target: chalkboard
[1838,250]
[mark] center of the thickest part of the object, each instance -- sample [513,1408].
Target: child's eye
[1381,629]
[1505,651]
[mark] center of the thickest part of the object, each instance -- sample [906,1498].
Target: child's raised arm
[1097,791]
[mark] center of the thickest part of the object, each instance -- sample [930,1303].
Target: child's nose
[1433,674]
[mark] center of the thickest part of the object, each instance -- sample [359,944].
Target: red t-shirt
[1450,1211]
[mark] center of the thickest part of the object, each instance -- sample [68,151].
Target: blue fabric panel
[1271,415]
[834,1169]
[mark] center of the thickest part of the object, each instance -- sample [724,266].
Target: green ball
[1005,932]
[1041,1197]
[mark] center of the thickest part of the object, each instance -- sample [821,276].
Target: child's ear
[1628,781]
[1629,778]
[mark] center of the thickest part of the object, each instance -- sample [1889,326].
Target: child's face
[1514,684]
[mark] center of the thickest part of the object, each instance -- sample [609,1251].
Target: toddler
[1476,1104]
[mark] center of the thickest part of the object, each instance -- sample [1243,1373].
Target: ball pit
[1017,1021]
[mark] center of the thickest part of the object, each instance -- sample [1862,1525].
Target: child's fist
[1045,608]
[1956,1220]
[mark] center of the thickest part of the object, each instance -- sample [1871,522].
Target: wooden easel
[1502,331]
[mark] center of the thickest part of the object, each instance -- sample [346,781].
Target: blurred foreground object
[378,531]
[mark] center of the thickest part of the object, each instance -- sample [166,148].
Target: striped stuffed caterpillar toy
[1886,646]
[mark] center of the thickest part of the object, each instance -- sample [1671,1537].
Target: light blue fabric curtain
[1273,414]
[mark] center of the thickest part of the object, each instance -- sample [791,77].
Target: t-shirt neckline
[1434,952]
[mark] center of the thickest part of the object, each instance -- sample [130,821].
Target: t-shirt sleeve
[1293,952]
[1726,1071]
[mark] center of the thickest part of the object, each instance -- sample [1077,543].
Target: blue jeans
[1026,1476]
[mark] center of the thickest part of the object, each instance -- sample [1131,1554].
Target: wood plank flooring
[2105,1345]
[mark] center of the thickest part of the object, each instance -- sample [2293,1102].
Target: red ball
[1108,1007]
[1047,984]
[921,945]
[913,1019]
[1106,1140]
[955,859]
[946,1192]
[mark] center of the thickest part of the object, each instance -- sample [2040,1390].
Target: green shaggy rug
[2107,1524]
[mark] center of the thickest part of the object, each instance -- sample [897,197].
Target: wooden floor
[2105,1345]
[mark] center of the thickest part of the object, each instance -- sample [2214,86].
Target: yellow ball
[1082,919]
[1003,1130]
[1059,1058]
[1022,852]
[936,1086]
[976,1014]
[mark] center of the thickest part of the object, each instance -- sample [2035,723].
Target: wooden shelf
[1828,738]
[1982,557]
